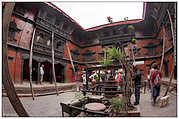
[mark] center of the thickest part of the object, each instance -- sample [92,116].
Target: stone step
[41,90]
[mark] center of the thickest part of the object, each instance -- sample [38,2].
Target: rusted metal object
[7,81]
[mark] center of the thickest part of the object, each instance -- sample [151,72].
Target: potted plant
[133,41]
[116,55]
[117,105]
[78,99]
[131,27]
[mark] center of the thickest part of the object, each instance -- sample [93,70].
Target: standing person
[118,79]
[84,82]
[122,76]
[105,76]
[79,76]
[102,76]
[148,81]
[116,76]
[155,83]
[108,74]
[41,73]
[149,77]
[78,80]
[137,83]
[94,78]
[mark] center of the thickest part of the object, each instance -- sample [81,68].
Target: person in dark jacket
[137,83]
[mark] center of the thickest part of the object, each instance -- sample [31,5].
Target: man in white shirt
[41,73]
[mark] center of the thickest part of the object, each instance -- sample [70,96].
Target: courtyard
[55,66]
[49,106]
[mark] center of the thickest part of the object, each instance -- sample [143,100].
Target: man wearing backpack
[155,81]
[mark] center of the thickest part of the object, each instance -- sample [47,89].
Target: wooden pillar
[53,66]
[30,63]
[174,61]
[173,37]
[163,53]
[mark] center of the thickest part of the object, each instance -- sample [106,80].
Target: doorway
[26,76]
[59,72]
[26,71]
[47,71]
[165,63]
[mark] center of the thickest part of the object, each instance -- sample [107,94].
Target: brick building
[86,45]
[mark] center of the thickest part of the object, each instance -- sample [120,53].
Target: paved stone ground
[147,110]
[48,106]
[44,84]
[41,106]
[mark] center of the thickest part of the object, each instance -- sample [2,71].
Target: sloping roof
[58,9]
[114,24]
[101,26]
[120,22]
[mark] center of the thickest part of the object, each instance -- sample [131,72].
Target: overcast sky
[90,14]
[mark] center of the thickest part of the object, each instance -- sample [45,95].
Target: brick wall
[26,30]
[24,36]
[15,65]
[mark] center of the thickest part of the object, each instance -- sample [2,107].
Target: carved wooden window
[12,30]
[39,38]
[42,14]
[50,18]
[114,32]
[125,30]
[106,34]
[88,58]
[88,55]
[151,51]
[65,27]
[151,48]
[48,42]
[10,59]
[59,44]
[20,10]
[58,23]
[11,35]
[136,51]
[101,55]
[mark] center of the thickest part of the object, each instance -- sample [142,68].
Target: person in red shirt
[155,88]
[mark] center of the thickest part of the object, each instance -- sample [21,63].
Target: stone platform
[23,90]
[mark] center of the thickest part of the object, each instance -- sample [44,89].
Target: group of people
[154,82]
[154,78]
[105,75]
